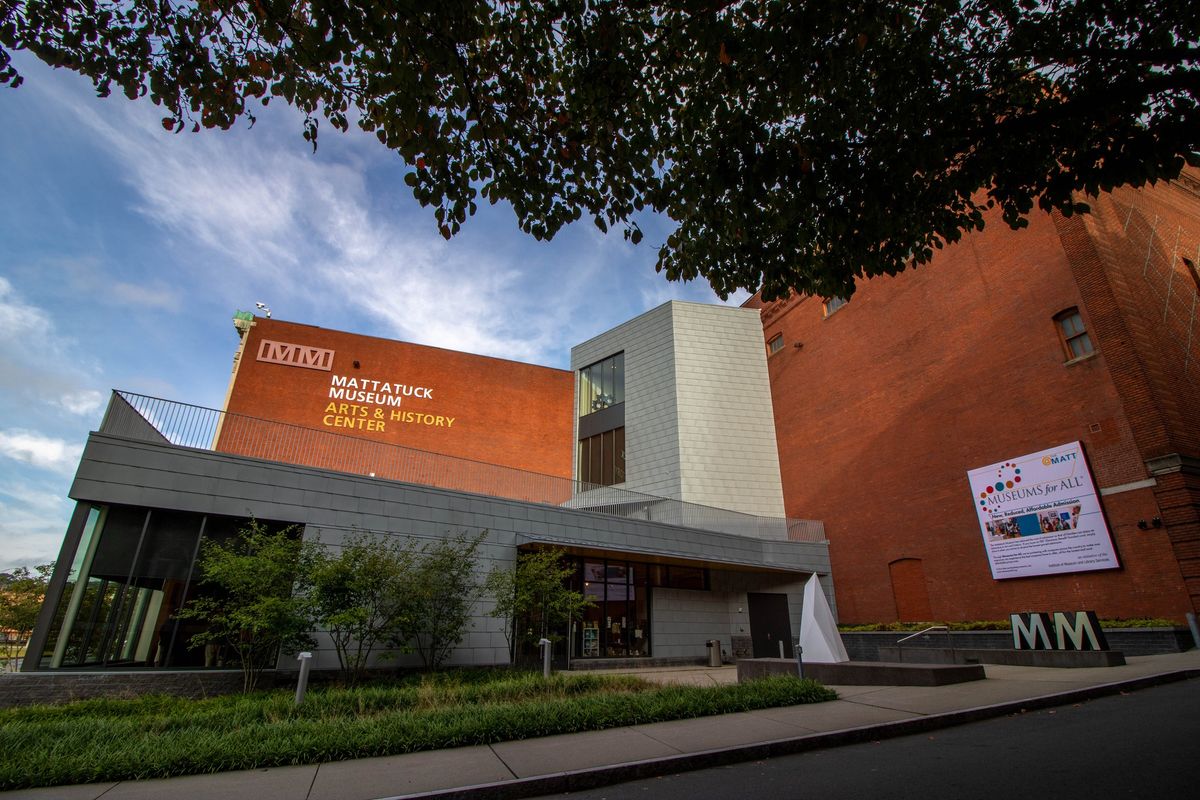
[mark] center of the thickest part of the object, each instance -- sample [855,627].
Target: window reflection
[618,624]
[602,458]
[602,385]
[133,569]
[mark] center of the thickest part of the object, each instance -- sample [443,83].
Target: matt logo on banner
[295,355]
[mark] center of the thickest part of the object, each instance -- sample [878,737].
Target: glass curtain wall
[133,570]
[601,446]
[617,625]
[602,458]
[602,385]
[618,622]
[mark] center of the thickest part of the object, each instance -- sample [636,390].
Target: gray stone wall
[47,688]
[864,646]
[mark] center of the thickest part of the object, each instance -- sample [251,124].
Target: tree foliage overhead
[795,145]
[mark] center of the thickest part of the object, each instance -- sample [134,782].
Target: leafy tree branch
[793,146]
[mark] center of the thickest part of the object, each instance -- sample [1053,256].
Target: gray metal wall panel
[332,505]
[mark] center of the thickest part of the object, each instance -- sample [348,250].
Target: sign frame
[1040,514]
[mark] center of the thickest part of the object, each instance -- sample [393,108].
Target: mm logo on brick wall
[295,355]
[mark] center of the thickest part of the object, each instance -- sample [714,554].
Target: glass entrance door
[617,625]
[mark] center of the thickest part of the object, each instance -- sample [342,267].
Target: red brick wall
[1127,257]
[484,409]
[910,590]
[883,407]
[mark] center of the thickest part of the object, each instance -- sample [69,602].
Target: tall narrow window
[1075,340]
[601,445]
[602,458]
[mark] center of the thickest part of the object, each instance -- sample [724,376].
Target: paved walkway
[583,760]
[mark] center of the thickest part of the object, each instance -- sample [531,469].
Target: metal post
[781,655]
[1191,618]
[545,645]
[799,657]
[305,660]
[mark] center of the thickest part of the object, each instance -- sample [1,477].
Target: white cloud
[35,360]
[19,320]
[315,238]
[306,228]
[156,297]
[84,403]
[33,517]
[40,451]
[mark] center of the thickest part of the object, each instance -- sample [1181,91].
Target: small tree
[441,595]
[362,596]
[253,608]
[533,598]
[21,595]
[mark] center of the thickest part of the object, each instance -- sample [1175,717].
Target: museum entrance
[617,624]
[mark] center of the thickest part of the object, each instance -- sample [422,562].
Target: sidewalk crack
[505,763]
[653,738]
[893,708]
[313,782]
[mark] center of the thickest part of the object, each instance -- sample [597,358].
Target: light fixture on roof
[264,308]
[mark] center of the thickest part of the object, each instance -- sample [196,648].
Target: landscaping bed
[156,737]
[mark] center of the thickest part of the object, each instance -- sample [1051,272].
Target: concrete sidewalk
[584,760]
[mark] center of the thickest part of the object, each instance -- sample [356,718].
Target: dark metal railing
[185,425]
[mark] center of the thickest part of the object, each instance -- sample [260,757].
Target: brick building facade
[430,399]
[883,404]
[337,438]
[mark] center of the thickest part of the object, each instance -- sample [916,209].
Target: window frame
[601,458]
[1067,337]
[602,381]
[832,305]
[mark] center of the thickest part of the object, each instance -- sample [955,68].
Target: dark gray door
[769,624]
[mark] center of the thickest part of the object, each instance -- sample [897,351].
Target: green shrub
[154,737]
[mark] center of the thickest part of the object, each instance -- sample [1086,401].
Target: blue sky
[125,250]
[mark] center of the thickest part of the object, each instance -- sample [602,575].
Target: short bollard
[781,655]
[305,660]
[545,645]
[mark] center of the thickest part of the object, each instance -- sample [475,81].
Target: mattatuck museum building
[651,464]
[1013,427]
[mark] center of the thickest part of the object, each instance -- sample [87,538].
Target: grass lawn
[153,737]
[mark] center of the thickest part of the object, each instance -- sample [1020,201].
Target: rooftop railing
[184,425]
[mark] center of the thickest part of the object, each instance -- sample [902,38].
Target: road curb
[595,777]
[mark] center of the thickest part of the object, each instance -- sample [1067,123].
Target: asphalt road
[1143,744]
